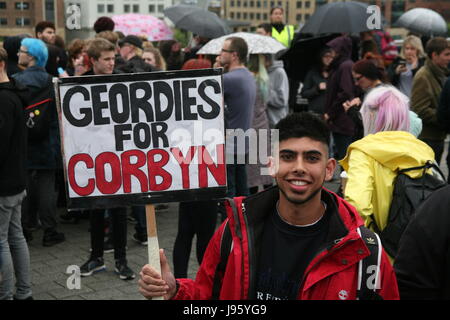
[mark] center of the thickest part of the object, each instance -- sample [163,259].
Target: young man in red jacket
[294,241]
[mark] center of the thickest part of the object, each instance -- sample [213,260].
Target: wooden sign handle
[153,245]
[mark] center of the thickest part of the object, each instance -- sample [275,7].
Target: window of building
[238,15]
[3,21]
[232,15]
[50,10]
[100,8]
[258,16]
[299,17]
[299,4]
[307,4]
[238,3]
[22,5]
[126,8]
[307,16]
[22,22]
[135,8]
[151,8]
[252,16]
[160,7]
[252,4]
[265,16]
[2,5]
[110,8]
[245,15]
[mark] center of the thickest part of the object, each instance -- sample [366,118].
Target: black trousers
[194,218]
[119,226]
[40,201]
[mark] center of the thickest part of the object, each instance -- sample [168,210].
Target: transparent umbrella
[424,21]
[257,44]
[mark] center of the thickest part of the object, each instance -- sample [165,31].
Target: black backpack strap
[225,248]
[369,267]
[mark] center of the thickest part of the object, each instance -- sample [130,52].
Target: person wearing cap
[131,51]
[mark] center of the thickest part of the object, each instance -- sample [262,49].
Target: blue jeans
[14,254]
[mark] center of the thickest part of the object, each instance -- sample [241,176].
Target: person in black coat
[315,84]
[423,260]
[14,255]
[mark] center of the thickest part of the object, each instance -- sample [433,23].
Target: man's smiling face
[303,167]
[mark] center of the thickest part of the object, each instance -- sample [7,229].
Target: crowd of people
[369,115]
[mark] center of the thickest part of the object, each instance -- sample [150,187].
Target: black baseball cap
[131,39]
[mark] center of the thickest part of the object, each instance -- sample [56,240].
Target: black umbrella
[343,17]
[304,54]
[197,20]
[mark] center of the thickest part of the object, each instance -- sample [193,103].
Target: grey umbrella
[197,20]
[340,17]
[424,21]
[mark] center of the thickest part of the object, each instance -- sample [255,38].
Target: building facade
[297,12]
[20,17]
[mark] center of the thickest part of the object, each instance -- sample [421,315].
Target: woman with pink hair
[389,145]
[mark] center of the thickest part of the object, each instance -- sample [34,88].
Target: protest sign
[130,139]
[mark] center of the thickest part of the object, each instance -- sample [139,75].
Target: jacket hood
[343,48]
[395,150]
[33,77]
[16,88]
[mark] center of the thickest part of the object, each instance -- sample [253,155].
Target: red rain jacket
[331,275]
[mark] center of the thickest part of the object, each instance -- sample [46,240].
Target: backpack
[38,113]
[408,194]
[368,268]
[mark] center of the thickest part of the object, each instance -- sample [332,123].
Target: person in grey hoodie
[278,101]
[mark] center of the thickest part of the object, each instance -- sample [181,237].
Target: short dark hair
[266,26]
[436,45]
[303,125]
[41,26]
[240,47]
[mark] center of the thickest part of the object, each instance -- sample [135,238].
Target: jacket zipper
[250,254]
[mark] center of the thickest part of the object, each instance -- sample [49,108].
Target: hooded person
[340,88]
[278,98]
[12,46]
[372,163]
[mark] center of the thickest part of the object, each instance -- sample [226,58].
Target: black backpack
[408,194]
[368,268]
[38,113]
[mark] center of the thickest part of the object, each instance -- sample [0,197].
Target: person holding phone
[412,57]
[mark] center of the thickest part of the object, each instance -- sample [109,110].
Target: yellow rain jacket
[372,164]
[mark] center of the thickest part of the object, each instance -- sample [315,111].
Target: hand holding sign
[121,146]
[156,284]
